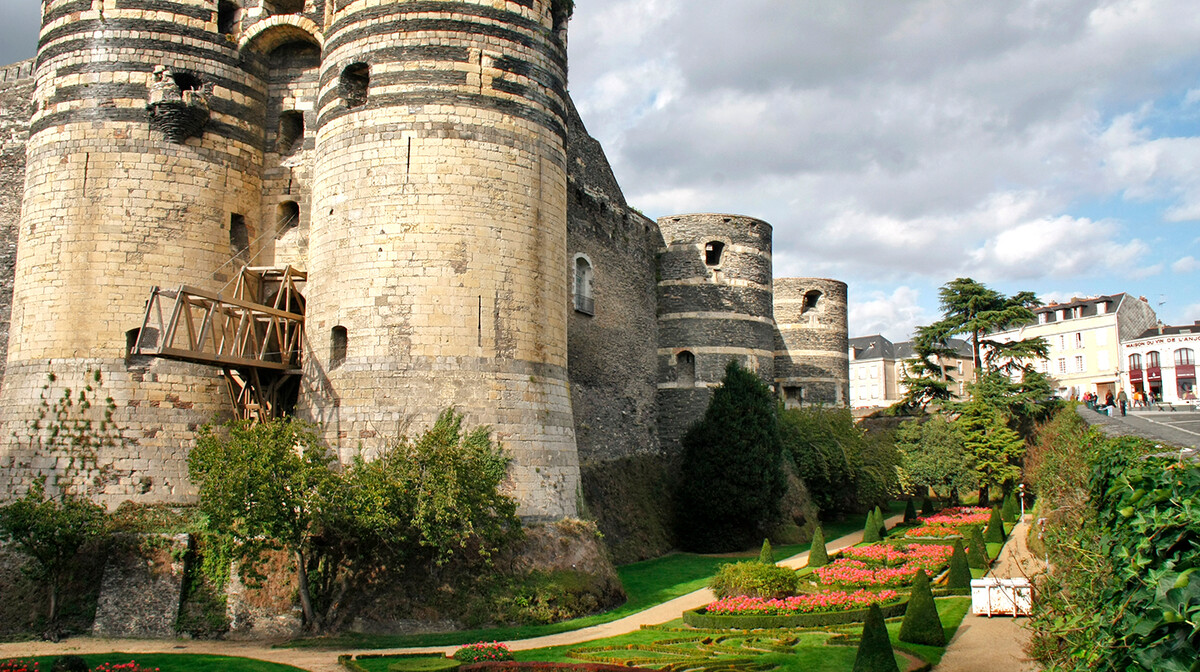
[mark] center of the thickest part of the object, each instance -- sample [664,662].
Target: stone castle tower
[422,165]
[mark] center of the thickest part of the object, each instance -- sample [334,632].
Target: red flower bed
[15,665]
[882,565]
[832,600]
[946,523]
[484,652]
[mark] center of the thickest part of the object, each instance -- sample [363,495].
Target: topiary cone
[766,555]
[959,575]
[881,522]
[977,555]
[910,512]
[875,650]
[817,555]
[995,528]
[871,529]
[921,624]
[1010,510]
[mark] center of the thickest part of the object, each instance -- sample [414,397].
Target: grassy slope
[646,583]
[172,662]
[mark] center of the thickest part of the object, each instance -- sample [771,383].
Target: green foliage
[483,652]
[972,309]
[817,555]
[921,624]
[697,618]
[754,579]
[766,555]
[995,528]
[977,555]
[1010,509]
[959,575]
[843,467]
[932,455]
[871,529]
[1123,534]
[69,664]
[875,650]
[732,475]
[67,426]
[51,531]
[910,511]
[927,507]
[881,521]
[994,449]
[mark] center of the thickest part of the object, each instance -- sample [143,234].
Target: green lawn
[646,584]
[798,650]
[178,662]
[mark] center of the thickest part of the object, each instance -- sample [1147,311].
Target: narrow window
[289,6]
[685,371]
[239,236]
[186,81]
[584,302]
[287,216]
[1152,360]
[131,342]
[1185,357]
[337,347]
[1135,362]
[354,83]
[793,397]
[226,17]
[812,300]
[712,253]
[290,135]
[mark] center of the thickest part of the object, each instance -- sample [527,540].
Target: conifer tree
[921,623]
[959,575]
[875,650]
[881,522]
[995,528]
[871,528]
[817,555]
[1011,509]
[977,555]
[910,512]
[766,556]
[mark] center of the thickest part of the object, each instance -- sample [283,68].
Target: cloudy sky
[1048,145]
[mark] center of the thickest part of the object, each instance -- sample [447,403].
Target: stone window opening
[585,301]
[338,343]
[239,236]
[712,253]
[287,216]
[685,369]
[133,338]
[812,301]
[289,6]
[290,135]
[227,15]
[186,81]
[354,84]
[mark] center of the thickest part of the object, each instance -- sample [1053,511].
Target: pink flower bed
[883,565]
[946,523]
[800,604]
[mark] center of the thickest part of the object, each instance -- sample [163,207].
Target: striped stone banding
[509,107]
[700,315]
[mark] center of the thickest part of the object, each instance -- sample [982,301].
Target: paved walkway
[323,660]
[996,644]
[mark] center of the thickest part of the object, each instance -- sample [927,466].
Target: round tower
[141,171]
[438,266]
[714,301]
[811,362]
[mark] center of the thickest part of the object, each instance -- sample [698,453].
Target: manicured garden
[150,662]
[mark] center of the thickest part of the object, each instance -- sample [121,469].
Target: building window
[338,343]
[1079,368]
[1043,318]
[1185,357]
[239,236]
[1078,340]
[1062,364]
[1062,342]
[712,253]
[289,6]
[290,135]
[685,369]
[584,302]
[354,84]
[227,15]
[793,397]
[287,216]
[1135,362]
[1152,360]
[812,299]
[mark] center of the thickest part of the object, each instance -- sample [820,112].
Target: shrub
[70,664]
[483,651]
[1011,508]
[977,555]
[927,507]
[881,521]
[699,618]
[875,650]
[959,575]
[18,665]
[817,555]
[123,667]
[766,555]
[995,528]
[754,579]
[871,529]
[910,511]
[921,623]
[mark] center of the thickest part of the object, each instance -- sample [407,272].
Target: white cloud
[895,315]
[1186,264]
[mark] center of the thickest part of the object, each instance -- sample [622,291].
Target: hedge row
[697,618]
[504,666]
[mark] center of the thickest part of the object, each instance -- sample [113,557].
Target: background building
[1161,363]
[878,369]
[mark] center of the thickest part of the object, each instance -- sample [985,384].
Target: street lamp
[1021,487]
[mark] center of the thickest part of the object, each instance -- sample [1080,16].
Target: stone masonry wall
[16,93]
[811,361]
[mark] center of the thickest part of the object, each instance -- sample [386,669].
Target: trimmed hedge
[977,555]
[921,624]
[754,579]
[995,528]
[818,556]
[871,529]
[875,650]
[502,666]
[698,619]
[910,512]
[959,575]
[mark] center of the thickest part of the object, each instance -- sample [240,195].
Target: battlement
[16,72]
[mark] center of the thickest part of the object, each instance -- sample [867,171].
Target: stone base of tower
[140,455]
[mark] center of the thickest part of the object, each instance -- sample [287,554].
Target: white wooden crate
[1001,597]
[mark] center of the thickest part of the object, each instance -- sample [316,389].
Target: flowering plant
[882,565]
[482,652]
[947,522]
[17,665]
[799,604]
[123,667]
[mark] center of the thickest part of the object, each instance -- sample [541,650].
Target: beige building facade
[879,368]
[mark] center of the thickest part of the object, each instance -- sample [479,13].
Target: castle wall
[438,234]
[16,93]
[812,338]
[113,207]
[714,304]
[611,362]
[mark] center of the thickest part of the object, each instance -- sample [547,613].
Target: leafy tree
[995,450]
[925,378]
[875,650]
[823,444]
[818,556]
[51,531]
[932,455]
[732,477]
[972,309]
[921,624]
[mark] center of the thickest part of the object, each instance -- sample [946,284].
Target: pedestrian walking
[1122,399]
